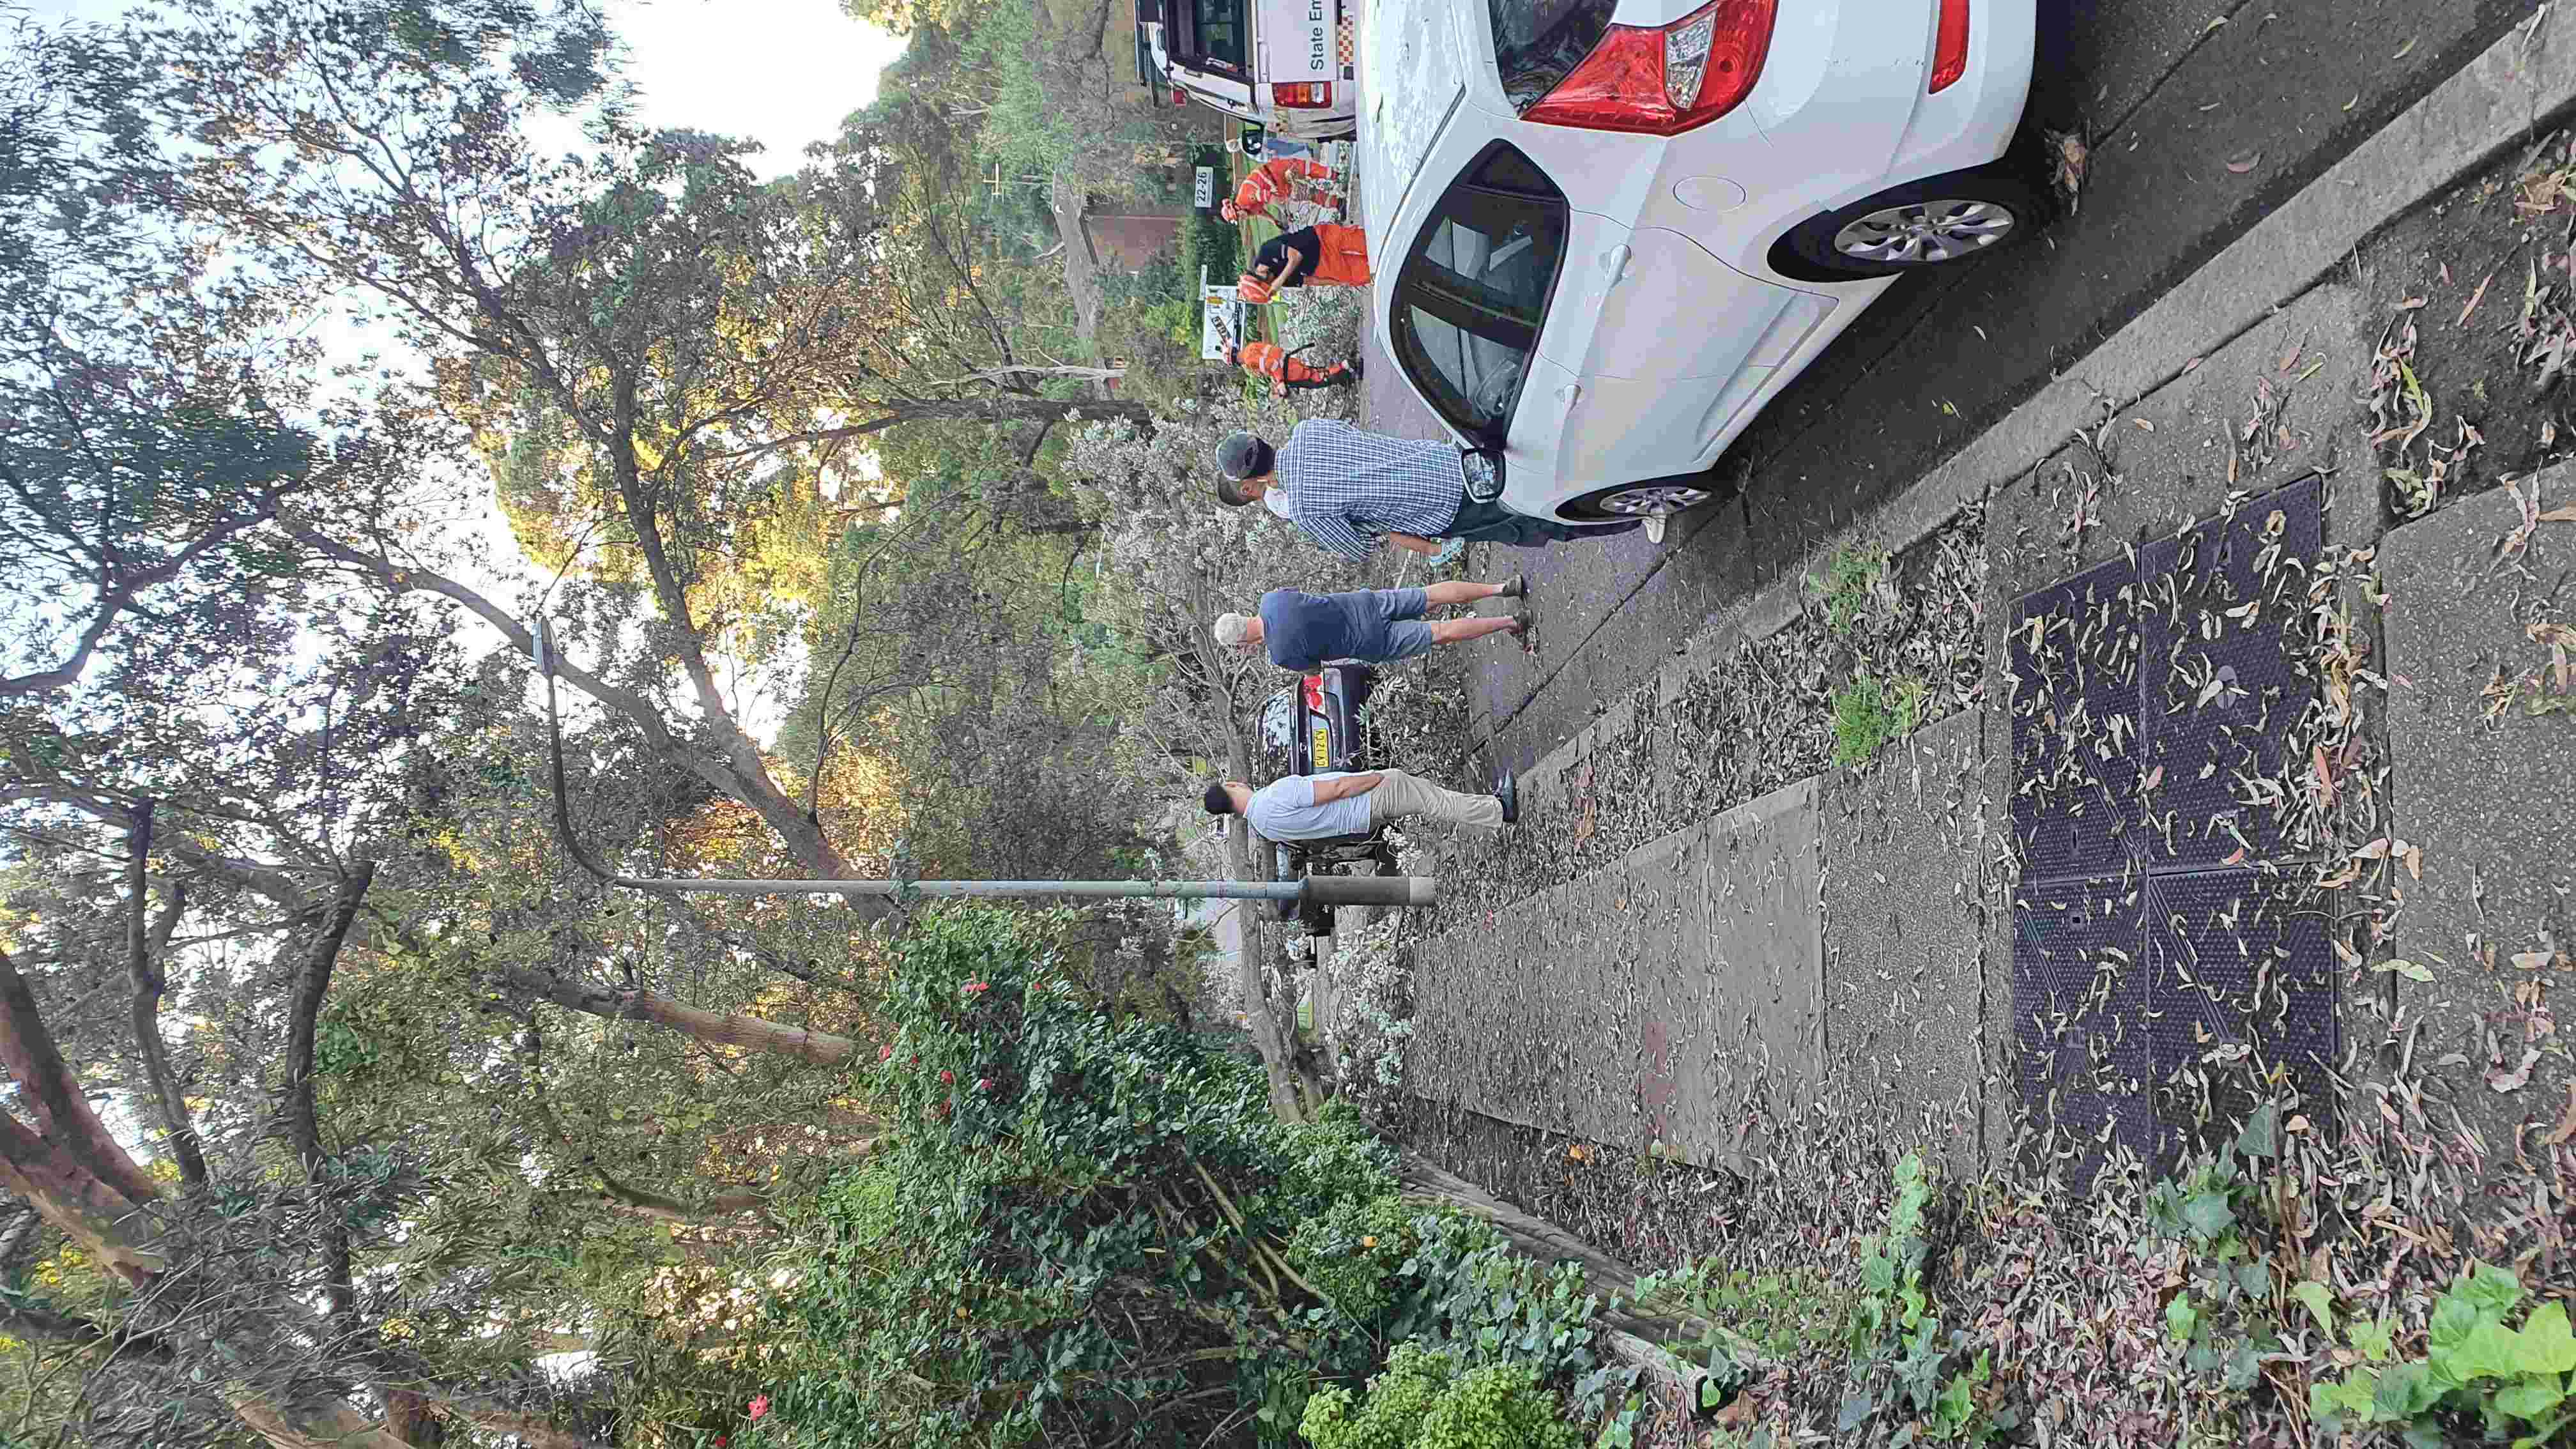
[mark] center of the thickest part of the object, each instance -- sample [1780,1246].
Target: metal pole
[1323,890]
[1328,890]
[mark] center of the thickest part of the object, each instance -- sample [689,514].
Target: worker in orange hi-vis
[1275,181]
[1336,256]
[1272,361]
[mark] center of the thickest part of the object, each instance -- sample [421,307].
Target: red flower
[759,1406]
[983,1084]
[888,1054]
[978,988]
[722,1441]
[948,1076]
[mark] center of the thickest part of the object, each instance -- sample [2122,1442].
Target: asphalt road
[2171,95]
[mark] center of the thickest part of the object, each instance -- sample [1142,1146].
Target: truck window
[1211,35]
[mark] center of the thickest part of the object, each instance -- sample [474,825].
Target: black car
[1315,725]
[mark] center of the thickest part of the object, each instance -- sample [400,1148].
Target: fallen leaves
[2566,1124]
[2475,298]
[2072,159]
[2501,1079]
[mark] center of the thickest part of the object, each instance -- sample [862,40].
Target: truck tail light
[1665,80]
[1303,94]
[1180,97]
[1950,46]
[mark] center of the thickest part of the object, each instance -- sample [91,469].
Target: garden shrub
[1424,1401]
[1089,1231]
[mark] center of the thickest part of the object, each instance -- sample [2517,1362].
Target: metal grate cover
[2079,993]
[2166,975]
[2224,679]
[2244,993]
[2074,661]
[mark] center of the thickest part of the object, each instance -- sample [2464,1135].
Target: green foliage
[1084,1227]
[1894,1330]
[2512,1383]
[2222,1320]
[1867,717]
[1424,1401]
[1852,577]
[1783,1314]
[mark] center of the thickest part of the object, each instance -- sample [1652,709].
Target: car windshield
[1474,293]
[1537,42]
[1209,34]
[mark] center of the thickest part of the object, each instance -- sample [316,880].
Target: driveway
[2201,118]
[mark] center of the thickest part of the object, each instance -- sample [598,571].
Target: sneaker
[1506,791]
[1654,528]
[1517,587]
[1521,622]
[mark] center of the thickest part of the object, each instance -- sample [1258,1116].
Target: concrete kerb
[2522,82]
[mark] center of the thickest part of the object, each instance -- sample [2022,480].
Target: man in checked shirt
[1348,488]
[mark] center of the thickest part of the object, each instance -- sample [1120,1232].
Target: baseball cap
[1243,456]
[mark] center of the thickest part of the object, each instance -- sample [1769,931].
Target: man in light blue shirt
[1344,802]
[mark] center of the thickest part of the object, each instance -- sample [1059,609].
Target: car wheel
[1644,498]
[1922,224]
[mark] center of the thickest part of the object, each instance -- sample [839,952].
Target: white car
[1606,232]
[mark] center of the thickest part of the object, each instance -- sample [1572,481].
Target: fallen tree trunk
[1658,1340]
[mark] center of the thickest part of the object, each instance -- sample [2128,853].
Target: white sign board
[1220,319]
[1205,195]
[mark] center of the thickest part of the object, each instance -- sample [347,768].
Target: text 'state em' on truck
[1287,65]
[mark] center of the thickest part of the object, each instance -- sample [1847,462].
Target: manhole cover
[2079,992]
[2243,991]
[2075,723]
[2166,976]
[2225,675]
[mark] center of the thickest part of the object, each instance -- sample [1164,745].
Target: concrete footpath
[2275,798]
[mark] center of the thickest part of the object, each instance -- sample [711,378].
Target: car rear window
[1208,34]
[1536,42]
[1472,296]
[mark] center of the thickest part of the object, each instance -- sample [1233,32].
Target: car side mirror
[1485,484]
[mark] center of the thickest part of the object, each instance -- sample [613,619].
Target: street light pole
[1327,890]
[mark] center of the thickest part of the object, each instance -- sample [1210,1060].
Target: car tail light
[1180,97]
[1302,93]
[1950,46]
[1312,686]
[1666,80]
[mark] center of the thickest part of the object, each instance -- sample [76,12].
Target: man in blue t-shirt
[1341,802]
[1303,630]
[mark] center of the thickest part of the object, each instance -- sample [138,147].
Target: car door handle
[1615,263]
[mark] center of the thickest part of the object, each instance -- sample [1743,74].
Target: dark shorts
[1493,523]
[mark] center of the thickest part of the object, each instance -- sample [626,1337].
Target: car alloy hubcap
[1654,499]
[1925,231]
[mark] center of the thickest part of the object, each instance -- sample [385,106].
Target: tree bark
[63,1115]
[303,1124]
[142,943]
[714,1028]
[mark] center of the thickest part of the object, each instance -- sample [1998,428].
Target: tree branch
[143,972]
[304,1126]
[62,1113]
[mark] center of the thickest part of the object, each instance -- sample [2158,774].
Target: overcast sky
[781,72]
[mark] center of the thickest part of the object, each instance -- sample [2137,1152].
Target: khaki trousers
[1400,796]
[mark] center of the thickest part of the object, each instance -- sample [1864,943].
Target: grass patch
[1868,714]
[1851,577]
